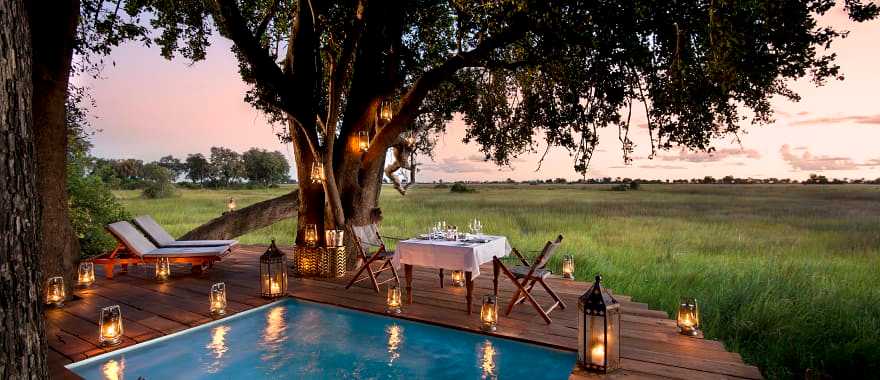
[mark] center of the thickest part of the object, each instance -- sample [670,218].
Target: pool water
[294,339]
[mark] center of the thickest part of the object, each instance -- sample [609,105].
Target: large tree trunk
[53,32]
[22,341]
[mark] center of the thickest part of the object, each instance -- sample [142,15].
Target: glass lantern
[110,326]
[386,111]
[598,330]
[273,272]
[55,291]
[334,238]
[310,235]
[457,278]
[163,269]
[85,274]
[218,299]
[363,141]
[393,300]
[230,205]
[317,172]
[568,267]
[489,313]
[688,319]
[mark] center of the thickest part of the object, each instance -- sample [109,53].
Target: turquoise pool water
[294,339]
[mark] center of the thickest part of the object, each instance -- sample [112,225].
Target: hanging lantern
[163,269]
[230,205]
[85,274]
[393,300]
[310,235]
[688,320]
[334,238]
[457,278]
[489,313]
[55,291]
[363,141]
[386,111]
[568,267]
[411,139]
[110,326]
[273,272]
[218,299]
[598,330]
[317,172]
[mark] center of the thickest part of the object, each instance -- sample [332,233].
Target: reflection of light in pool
[487,360]
[274,335]
[218,347]
[395,337]
[113,370]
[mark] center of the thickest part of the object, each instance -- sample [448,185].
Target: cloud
[858,119]
[808,161]
[715,156]
[670,167]
[802,113]
[458,165]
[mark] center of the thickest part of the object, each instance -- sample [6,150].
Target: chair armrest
[520,256]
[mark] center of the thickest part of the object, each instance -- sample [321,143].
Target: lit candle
[275,288]
[568,267]
[457,278]
[231,204]
[110,326]
[392,304]
[86,274]
[55,291]
[218,299]
[163,269]
[489,313]
[597,354]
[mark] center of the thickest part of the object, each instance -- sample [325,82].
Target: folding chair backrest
[153,230]
[131,237]
[367,236]
[547,252]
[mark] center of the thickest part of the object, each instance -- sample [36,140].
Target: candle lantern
[489,313]
[411,139]
[85,274]
[386,111]
[218,299]
[317,172]
[230,205]
[310,235]
[163,269]
[457,278]
[55,291]
[363,141]
[334,238]
[568,267]
[110,326]
[598,330]
[273,272]
[393,300]
[688,320]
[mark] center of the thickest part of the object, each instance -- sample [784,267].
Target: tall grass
[786,275]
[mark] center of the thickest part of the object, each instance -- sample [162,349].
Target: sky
[148,107]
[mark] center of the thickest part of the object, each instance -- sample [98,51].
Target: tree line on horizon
[814,179]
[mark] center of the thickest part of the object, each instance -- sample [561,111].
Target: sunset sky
[148,107]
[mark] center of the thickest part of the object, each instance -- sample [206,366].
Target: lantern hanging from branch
[598,330]
[411,138]
[489,313]
[393,300]
[363,141]
[688,320]
[85,274]
[110,326]
[386,111]
[163,269]
[310,235]
[273,272]
[317,172]
[218,299]
[568,267]
[55,291]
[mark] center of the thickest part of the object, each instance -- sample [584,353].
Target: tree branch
[261,28]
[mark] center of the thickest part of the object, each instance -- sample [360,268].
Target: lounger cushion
[139,245]
[189,252]
[163,239]
[521,271]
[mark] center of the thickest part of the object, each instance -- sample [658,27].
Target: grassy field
[788,276]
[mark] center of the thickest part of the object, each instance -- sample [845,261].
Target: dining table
[464,254]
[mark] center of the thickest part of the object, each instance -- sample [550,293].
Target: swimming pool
[293,339]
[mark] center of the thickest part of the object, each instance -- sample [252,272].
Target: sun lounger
[163,239]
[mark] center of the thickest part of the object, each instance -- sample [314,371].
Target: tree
[157,181]
[198,168]
[23,341]
[173,164]
[264,167]
[226,165]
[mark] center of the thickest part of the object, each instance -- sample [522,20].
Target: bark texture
[22,339]
[240,222]
[53,31]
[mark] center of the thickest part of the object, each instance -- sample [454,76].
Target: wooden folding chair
[367,238]
[527,275]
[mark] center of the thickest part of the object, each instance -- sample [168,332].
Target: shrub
[635,185]
[459,187]
[92,206]
[620,187]
[156,189]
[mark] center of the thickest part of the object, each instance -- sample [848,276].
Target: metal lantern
[393,300]
[489,313]
[110,326]
[363,141]
[688,319]
[55,291]
[230,205]
[457,278]
[598,330]
[317,172]
[411,139]
[334,238]
[310,235]
[85,274]
[218,299]
[386,111]
[163,269]
[568,267]
[273,272]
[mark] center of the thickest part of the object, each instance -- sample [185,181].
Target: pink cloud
[807,161]
[858,119]
[714,156]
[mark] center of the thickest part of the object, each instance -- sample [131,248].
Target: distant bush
[635,185]
[459,187]
[441,186]
[158,182]
[620,187]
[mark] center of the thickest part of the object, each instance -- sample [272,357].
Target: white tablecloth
[453,255]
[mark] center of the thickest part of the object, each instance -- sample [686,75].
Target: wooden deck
[650,347]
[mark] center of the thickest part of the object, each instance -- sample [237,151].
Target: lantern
[457,278]
[317,172]
[393,300]
[218,299]
[334,238]
[363,141]
[386,111]
[55,291]
[310,235]
[110,326]
[489,313]
[230,205]
[411,139]
[273,272]
[568,267]
[688,320]
[598,330]
[163,269]
[85,274]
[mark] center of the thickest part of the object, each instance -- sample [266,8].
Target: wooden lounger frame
[121,255]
